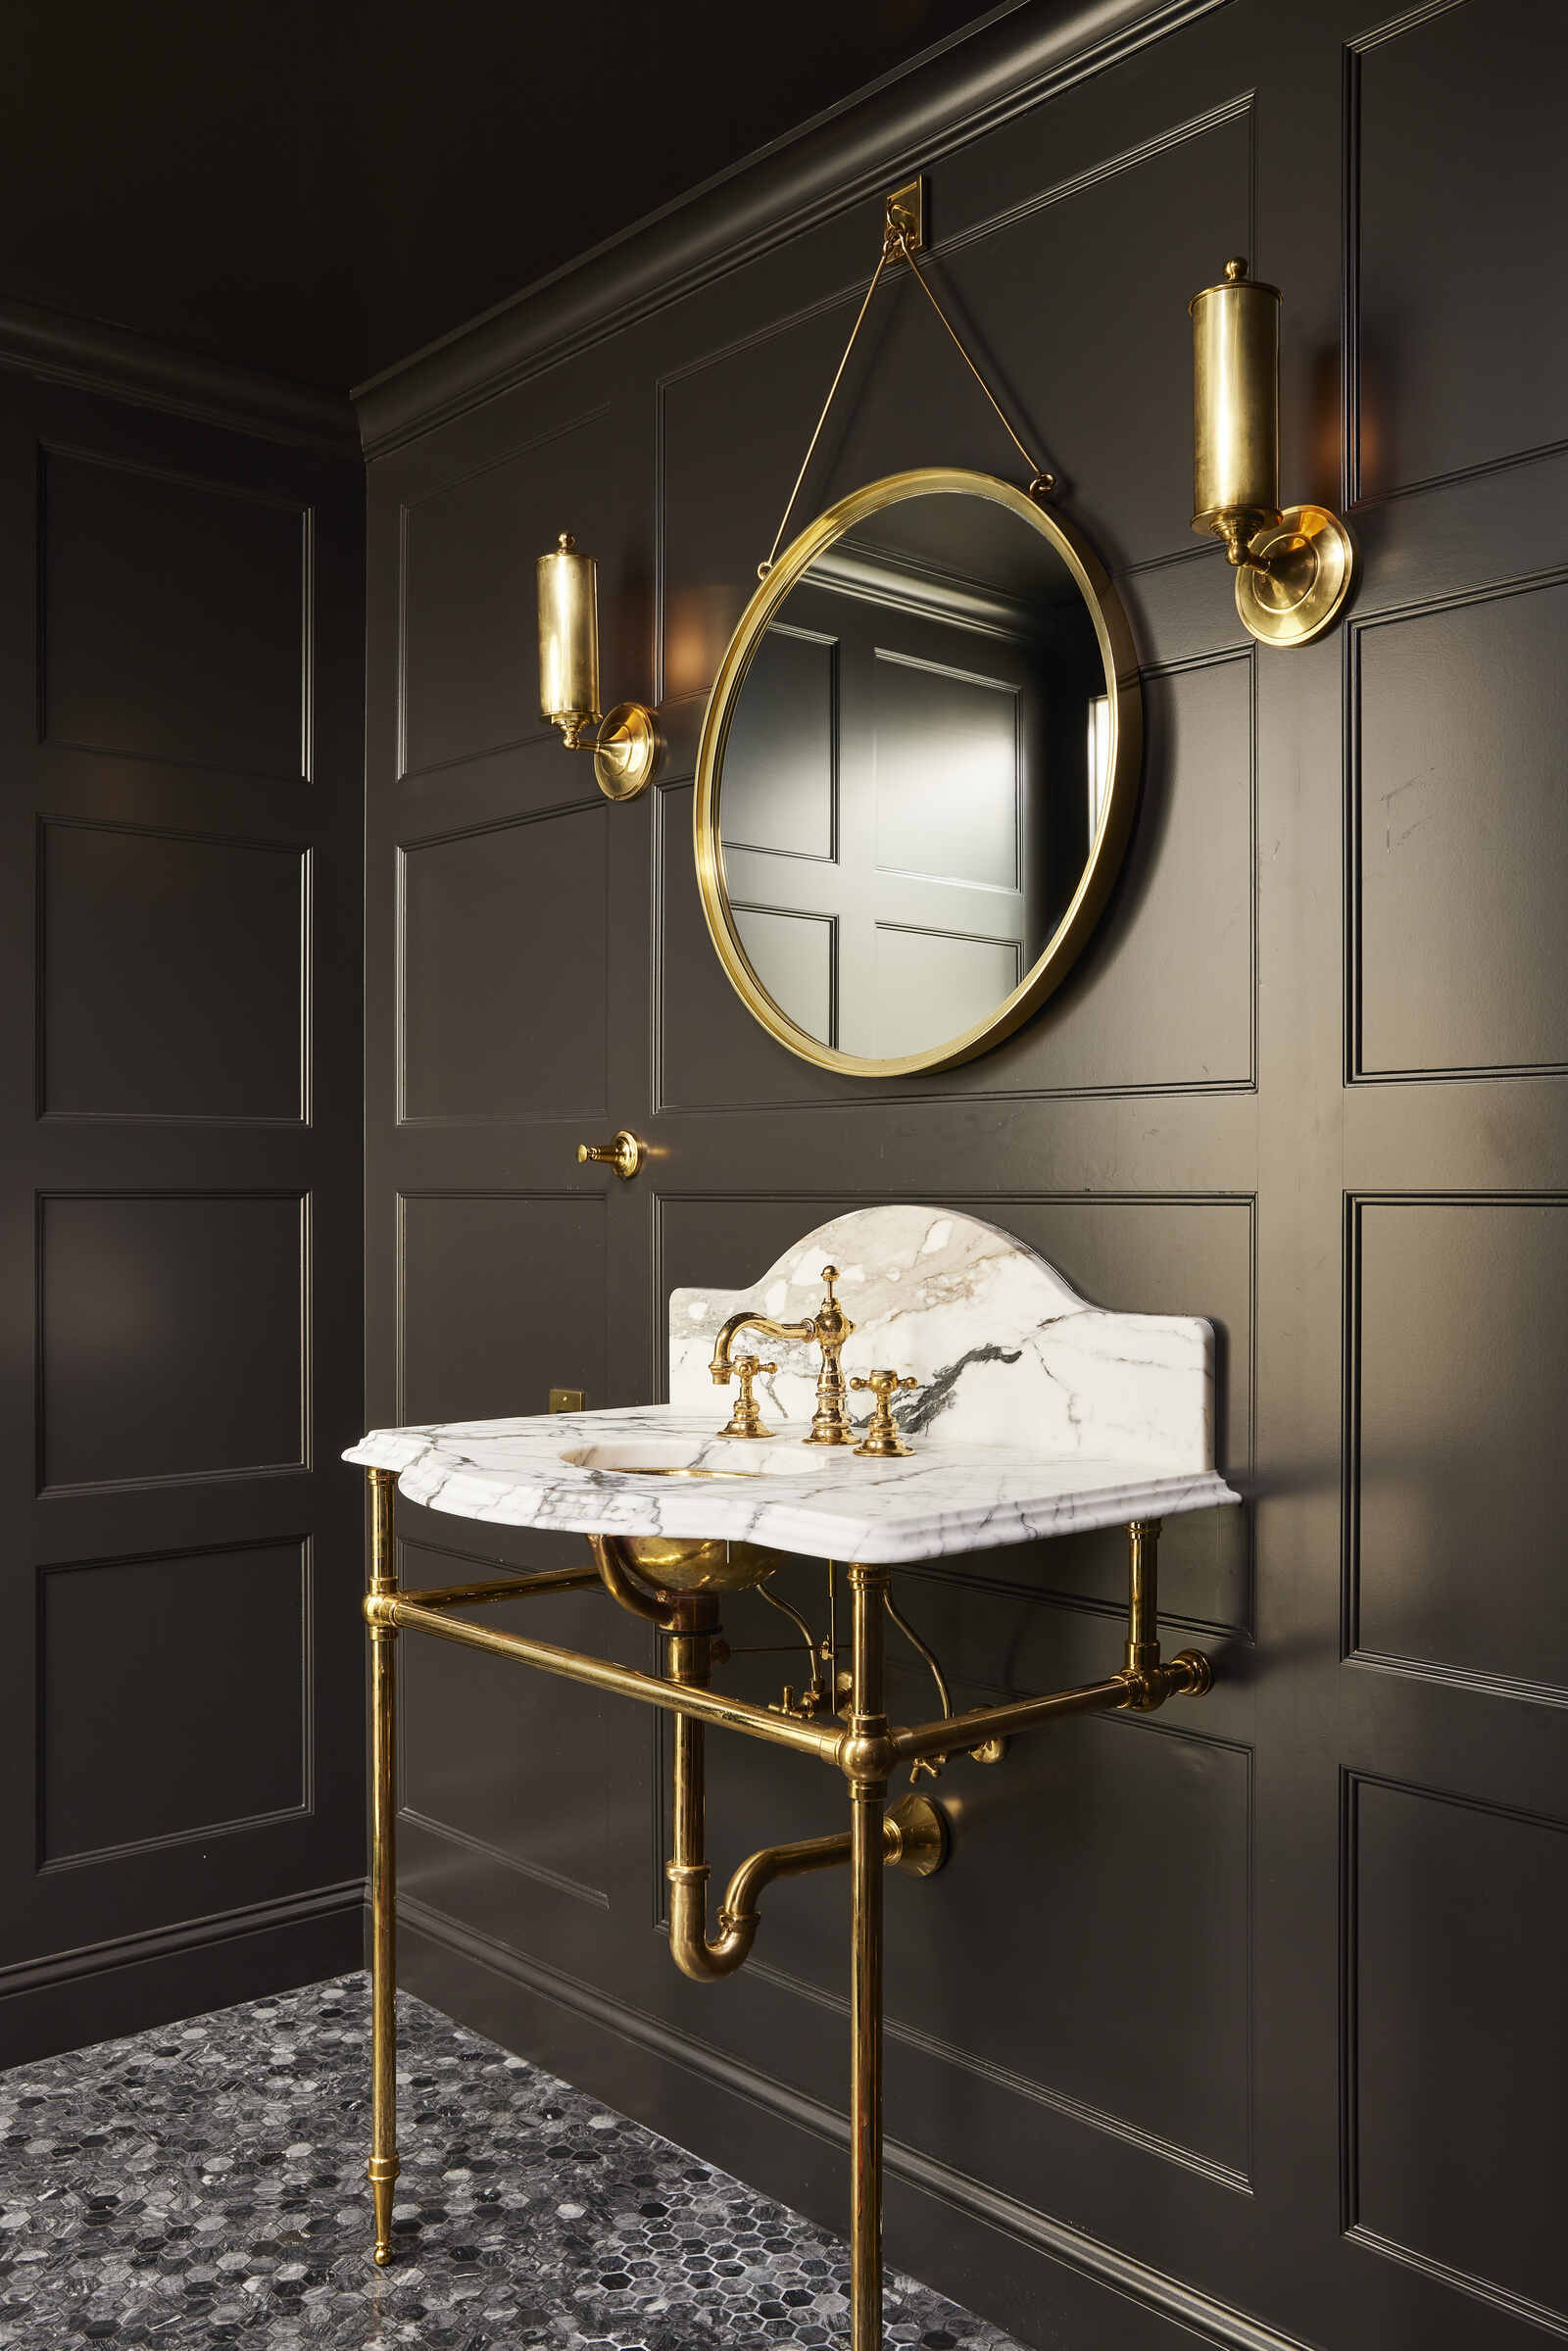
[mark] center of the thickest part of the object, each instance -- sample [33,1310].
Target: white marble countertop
[820,1500]
[1036,1412]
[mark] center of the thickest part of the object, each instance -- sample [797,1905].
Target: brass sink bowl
[685,1563]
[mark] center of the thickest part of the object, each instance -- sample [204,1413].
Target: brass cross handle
[882,1441]
[624,1154]
[746,1418]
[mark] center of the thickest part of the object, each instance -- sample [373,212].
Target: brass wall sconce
[1294,563]
[625,740]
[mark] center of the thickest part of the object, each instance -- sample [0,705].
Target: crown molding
[114,360]
[953,94]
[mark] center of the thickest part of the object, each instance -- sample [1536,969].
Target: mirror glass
[917,766]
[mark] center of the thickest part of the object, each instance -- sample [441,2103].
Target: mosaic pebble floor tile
[205,2185]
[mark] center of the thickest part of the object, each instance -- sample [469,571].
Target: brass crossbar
[573,1665]
[420,1612]
[509,1587]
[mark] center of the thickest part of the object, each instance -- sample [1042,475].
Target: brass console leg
[867,1800]
[382,2166]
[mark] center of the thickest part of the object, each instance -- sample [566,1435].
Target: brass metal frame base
[626,750]
[911,1837]
[1295,576]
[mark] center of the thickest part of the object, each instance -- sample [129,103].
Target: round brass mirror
[917,774]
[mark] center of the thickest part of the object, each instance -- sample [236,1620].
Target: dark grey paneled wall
[180,618]
[1242,2024]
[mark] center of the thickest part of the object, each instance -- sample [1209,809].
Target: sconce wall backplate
[1296,576]
[626,750]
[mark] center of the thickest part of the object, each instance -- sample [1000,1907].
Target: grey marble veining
[1036,1414]
[203,2184]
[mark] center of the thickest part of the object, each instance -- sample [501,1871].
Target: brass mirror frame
[1066,941]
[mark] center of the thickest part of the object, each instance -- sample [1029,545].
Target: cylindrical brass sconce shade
[569,639]
[1235,408]
[1294,564]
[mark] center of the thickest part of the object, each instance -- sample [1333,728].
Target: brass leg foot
[382,2172]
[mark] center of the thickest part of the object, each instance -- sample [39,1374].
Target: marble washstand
[1033,1414]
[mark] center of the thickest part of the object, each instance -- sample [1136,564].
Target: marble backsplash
[1004,1349]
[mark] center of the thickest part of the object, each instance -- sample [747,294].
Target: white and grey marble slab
[1006,1351]
[1037,1414]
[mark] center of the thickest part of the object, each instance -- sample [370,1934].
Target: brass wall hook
[624,1153]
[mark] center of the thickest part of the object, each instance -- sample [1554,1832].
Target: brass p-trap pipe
[914,1839]
[914,1835]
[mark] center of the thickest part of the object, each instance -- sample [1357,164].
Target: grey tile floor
[205,2183]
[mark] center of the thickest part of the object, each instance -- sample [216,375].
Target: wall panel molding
[95,651]
[90,1301]
[447,482]
[133,1849]
[588,1203]
[1355,494]
[543,984]
[1360,632]
[781,2107]
[167,940]
[1505,2302]
[1447,1672]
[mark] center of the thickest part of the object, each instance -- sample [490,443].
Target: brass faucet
[829,1326]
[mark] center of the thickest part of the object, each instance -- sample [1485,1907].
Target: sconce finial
[1292,564]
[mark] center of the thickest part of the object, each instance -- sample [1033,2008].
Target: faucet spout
[721,1370]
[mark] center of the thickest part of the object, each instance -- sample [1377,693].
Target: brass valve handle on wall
[624,1154]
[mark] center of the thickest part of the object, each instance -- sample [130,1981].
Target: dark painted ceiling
[316,187]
